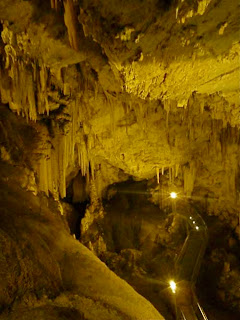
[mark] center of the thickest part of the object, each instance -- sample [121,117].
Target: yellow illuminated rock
[96,93]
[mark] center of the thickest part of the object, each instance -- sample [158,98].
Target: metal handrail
[198,228]
[202,312]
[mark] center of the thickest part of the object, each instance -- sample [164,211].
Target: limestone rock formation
[94,93]
[45,273]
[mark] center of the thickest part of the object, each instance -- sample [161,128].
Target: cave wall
[144,89]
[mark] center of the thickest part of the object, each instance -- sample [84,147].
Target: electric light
[197,227]
[173,195]
[173,286]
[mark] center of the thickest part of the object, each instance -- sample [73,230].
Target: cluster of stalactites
[173,172]
[24,87]
[69,149]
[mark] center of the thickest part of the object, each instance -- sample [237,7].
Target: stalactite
[189,178]
[32,113]
[62,165]
[83,161]
[42,91]
[71,23]
[43,175]
[22,98]
[62,155]
[111,103]
[92,169]
[73,132]
[28,81]
[176,170]
[157,173]
[173,173]
[55,173]
[54,4]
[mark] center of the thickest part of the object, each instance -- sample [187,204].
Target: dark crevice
[77,197]
[80,207]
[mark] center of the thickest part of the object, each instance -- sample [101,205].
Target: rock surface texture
[46,274]
[96,92]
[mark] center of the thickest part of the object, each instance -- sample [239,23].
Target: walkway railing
[187,268]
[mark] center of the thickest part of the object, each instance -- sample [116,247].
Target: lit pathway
[187,269]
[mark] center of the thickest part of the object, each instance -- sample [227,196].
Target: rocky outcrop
[46,273]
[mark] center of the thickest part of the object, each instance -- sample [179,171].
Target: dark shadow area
[165,4]
[221,259]
[77,197]
[80,208]
[220,263]
[144,241]
[140,247]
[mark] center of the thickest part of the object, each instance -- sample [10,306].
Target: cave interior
[119,159]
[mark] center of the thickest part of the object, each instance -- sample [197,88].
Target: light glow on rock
[173,195]
[173,286]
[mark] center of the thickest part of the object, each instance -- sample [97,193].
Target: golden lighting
[173,286]
[173,195]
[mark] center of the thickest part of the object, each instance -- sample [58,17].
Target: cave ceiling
[131,87]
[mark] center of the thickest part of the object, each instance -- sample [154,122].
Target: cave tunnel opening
[77,195]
